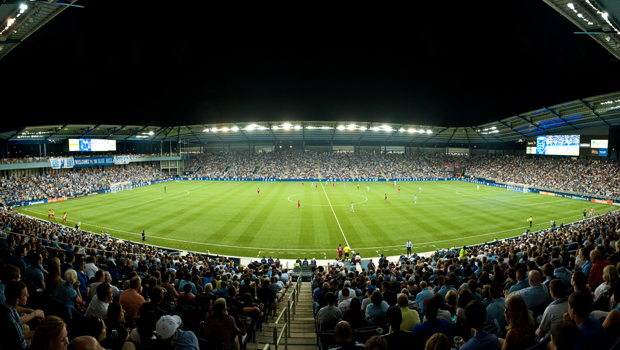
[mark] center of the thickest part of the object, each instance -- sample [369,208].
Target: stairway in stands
[302,327]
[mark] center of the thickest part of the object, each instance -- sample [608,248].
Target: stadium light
[570,6]
[235,128]
[225,129]
[262,128]
[206,130]
[411,130]
[297,127]
[214,129]
[275,127]
[340,127]
[151,133]
[351,127]
[286,126]
[429,131]
[23,7]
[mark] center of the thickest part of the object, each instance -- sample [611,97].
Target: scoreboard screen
[559,145]
[91,145]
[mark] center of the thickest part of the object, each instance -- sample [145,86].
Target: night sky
[174,63]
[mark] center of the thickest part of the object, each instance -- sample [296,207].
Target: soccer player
[312,184]
[592,210]
[352,207]
[53,216]
[346,251]
[143,237]
[409,246]
[298,204]
[415,199]
[530,220]
[393,184]
[398,189]
[333,184]
[316,186]
[358,186]
[64,217]
[367,188]
[49,214]
[584,214]
[302,183]
[340,250]
[386,197]
[164,189]
[345,185]
[477,187]
[258,190]
[420,188]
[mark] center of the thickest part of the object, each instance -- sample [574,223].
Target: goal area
[120,186]
[511,186]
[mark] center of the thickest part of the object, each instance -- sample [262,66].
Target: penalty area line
[330,205]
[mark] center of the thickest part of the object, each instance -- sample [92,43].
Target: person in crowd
[9,274]
[592,331]
[536,294]
[86,342]
[376,342]
[118,332]
[53,279]
[409,317]
[69,292]
[330,312]
[595,278]
[100,302]
[613,318]
[34,273]
[378,307]
[355,311]
[221,327]
[610,276]
[520,325]
[399,338]
[50,335]
[157,296]
[96,328]
[433,324]
[142,334]
[438,341]
[556,310]
[564,336]
[344,338]
[132,300]
[167,332]
[476,314]
[13,335]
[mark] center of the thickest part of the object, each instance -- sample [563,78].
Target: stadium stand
[432,292]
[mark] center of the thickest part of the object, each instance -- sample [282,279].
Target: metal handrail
[288,316]
[278,336]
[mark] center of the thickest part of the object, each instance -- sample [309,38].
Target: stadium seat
[212,345]
[327,339]
[542,344]
[361,335]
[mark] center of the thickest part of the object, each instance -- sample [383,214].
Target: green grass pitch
[230,218]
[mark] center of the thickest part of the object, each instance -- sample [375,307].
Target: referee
[409,246]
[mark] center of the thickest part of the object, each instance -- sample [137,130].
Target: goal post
[511,186]
[120,186]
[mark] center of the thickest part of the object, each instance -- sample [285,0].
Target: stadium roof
[568,117]
[600,19]
[20,19]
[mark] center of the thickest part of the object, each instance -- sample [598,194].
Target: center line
[330,205]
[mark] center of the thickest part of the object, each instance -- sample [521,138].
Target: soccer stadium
[235,232]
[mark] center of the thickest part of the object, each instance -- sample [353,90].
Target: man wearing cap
[219,326]
[166,329]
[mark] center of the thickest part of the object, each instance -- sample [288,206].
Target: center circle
[327,205]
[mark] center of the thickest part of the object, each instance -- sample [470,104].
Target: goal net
[510,186]
[120,186]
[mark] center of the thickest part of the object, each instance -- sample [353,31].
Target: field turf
[230,218]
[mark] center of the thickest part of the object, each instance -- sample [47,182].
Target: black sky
[174,63]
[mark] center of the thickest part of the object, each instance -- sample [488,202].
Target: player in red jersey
[333,184]
[258,190]
[302,183]
[398,189]
[298,204]
[316,186]
[340,249]
[386,197]
[64,217]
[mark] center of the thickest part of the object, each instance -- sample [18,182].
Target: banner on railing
[93,161]
[62,163]
[120,160]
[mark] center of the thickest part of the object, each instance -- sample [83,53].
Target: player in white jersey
[352,207]
[420,188]
[367,188]
[477,187]
[345,185]
[415,199]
